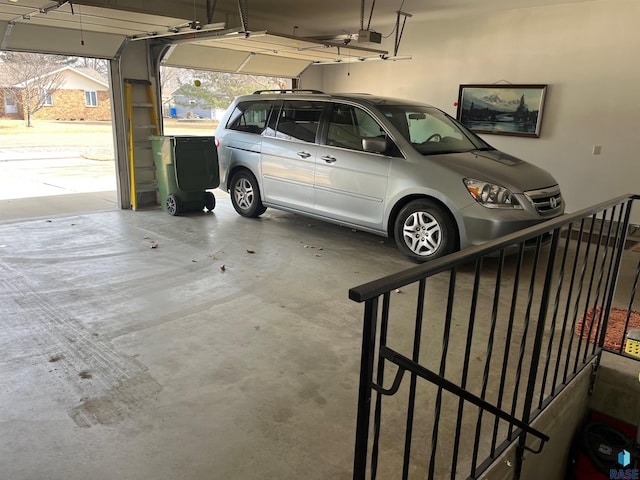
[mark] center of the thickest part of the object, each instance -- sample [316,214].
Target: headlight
[490,195]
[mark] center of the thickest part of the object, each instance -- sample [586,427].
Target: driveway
[37,182]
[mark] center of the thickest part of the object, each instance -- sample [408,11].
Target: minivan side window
[249,117]
[349,125]
[299,120]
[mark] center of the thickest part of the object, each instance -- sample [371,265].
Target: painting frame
[495,108]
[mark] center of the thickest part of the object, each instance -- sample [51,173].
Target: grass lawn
[93,140]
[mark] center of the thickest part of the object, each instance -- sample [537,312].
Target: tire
[424,231]
[245,195]
[173,205]
[209,201]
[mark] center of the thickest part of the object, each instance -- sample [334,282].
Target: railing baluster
[571,332]
[507,344]
[465,366]
[596,303]
[563,330]
[523,342]
[589,292]
[443,366]
[412,388]
[364,389]
[384,324]
[552,328]
[616,248]
[553,318]
[614,276]
[487,363]
[537,346]
[580,287]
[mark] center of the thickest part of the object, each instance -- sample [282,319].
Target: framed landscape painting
[502,109]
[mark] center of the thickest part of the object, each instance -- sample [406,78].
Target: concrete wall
[561,420]
[585,52]
[617,389]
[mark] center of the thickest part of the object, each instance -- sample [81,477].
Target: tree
[218,89]
[522,112]
[31,79]
[100,65]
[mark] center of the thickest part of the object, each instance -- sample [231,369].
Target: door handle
[304,154]
[329,158]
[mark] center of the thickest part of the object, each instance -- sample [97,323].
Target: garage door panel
[43,39]
[195,56]
[275,66]
[230,60]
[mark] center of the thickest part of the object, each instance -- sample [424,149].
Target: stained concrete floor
[130,353]
[121,360]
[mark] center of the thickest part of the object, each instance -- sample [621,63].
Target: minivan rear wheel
[245,195]
[424,231]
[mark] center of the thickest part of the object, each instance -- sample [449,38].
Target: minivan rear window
[249,117]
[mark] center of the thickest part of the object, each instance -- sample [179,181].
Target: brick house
[83,95]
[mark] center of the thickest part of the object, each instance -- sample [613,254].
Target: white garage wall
[588,53]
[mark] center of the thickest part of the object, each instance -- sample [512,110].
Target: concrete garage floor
[130,353]
[125,361]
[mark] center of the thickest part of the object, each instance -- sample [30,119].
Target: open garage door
[43,26]
[67,28]
[261,53]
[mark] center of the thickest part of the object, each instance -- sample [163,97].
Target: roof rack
[289,90]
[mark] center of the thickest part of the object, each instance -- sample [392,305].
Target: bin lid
[634,334]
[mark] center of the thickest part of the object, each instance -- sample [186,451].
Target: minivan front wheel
[245,195]
[424,231]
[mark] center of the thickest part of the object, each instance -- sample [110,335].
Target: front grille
[546,201]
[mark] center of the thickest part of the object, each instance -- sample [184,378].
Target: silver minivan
[392,167]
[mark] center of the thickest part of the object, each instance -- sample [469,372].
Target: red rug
[615,330]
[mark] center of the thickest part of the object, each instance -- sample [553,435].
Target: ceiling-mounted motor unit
[369,36]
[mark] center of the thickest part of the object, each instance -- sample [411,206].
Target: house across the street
[82,95]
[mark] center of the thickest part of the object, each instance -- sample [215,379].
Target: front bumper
[483,224]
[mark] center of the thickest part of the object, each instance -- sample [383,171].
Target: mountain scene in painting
[501,109]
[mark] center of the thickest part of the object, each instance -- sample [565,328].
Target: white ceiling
[331,17]
[318,18]
[98,28]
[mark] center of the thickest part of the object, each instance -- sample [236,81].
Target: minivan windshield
[431,131]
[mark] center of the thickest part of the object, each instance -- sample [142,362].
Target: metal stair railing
[484,360]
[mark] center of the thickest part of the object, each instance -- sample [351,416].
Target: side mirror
[374,145]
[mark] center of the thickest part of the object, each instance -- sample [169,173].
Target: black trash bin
[186,166]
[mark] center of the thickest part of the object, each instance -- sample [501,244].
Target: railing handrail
[406,364]
[391,282]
